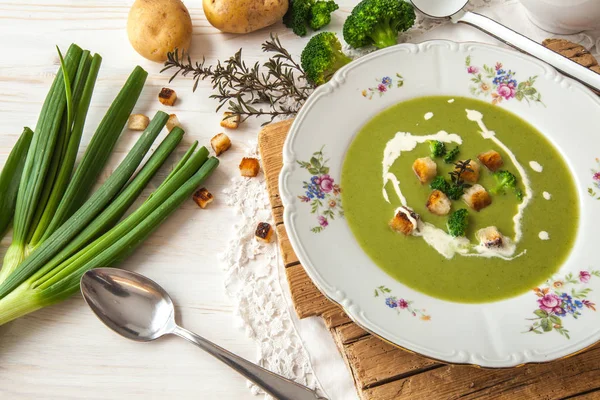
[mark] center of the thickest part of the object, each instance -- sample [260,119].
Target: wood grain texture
[382,371]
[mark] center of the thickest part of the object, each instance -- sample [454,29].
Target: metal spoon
[139,309]
[453,10]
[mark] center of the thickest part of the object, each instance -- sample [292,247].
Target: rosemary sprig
[279,83]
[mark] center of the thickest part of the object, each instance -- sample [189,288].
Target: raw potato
[243,16]
[156,27]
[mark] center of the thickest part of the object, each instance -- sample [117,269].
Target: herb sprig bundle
[279,83]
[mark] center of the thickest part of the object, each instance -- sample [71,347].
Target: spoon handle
[275,385]
[520,42]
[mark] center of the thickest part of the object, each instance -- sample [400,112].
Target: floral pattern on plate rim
[596,181]
[321,192]
[501,84]
[555,302]
[401,304]
[383,85]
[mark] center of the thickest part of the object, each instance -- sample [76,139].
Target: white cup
[564,16]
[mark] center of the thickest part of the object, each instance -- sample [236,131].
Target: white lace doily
[254,279]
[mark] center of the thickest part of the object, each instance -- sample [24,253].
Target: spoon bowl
[130,304]
[439,9]
[139,309]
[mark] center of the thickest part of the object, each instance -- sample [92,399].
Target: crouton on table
[425,169]
[405,221]
[438,203]
[203,197]
[230,120]
[167,96]
[264,232]
[172,122]
[138,122]
[220,143]
[473,175]
[477,197]
[249,167]
[491,159]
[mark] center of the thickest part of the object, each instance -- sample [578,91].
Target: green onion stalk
[50,192]
[60,229]
[57,281]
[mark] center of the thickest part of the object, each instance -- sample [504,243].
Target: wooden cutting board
[384,372]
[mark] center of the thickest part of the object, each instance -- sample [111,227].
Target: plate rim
[339,79]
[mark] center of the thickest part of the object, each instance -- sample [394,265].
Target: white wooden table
[63,352]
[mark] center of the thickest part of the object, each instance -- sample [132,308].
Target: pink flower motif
[381,87]
[326,183]
[498,66]
[507,91]
[584,276]
[402,303]
[472,70]
[597,176]
[550,303]
[304,199]
[322,221]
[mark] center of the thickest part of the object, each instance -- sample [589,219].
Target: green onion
[84,215]
[84,87]
[11,177]
[98,151]
[53,188]
[120,204]
[38,162]
[112,247]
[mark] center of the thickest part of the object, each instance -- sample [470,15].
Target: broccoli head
[320,14]
[378,22]
[455,191]
[451,189]
[437,148]
[451,155]
[458,222]
[303,13]
[321,57]
[504,180]
[439,183]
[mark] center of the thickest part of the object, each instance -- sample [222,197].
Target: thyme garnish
[461,168]
[279,83]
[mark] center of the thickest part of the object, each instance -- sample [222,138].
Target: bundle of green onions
[59,230]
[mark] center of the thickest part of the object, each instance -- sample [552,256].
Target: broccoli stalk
[378,22]
[303,13]
[458,222]
[322,57]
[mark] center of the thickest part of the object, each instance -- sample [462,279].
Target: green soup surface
[553,208]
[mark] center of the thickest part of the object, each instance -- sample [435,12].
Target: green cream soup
[547,225]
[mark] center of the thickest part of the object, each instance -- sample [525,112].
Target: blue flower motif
[387,81]
[561,313]
[500,71]
[320,195]
[578,304]
[391,302]
[566,297]
[314,179]
[310,195]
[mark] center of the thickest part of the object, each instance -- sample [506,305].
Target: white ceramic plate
[489,334]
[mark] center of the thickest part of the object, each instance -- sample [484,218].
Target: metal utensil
[139,309]
[453,10]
